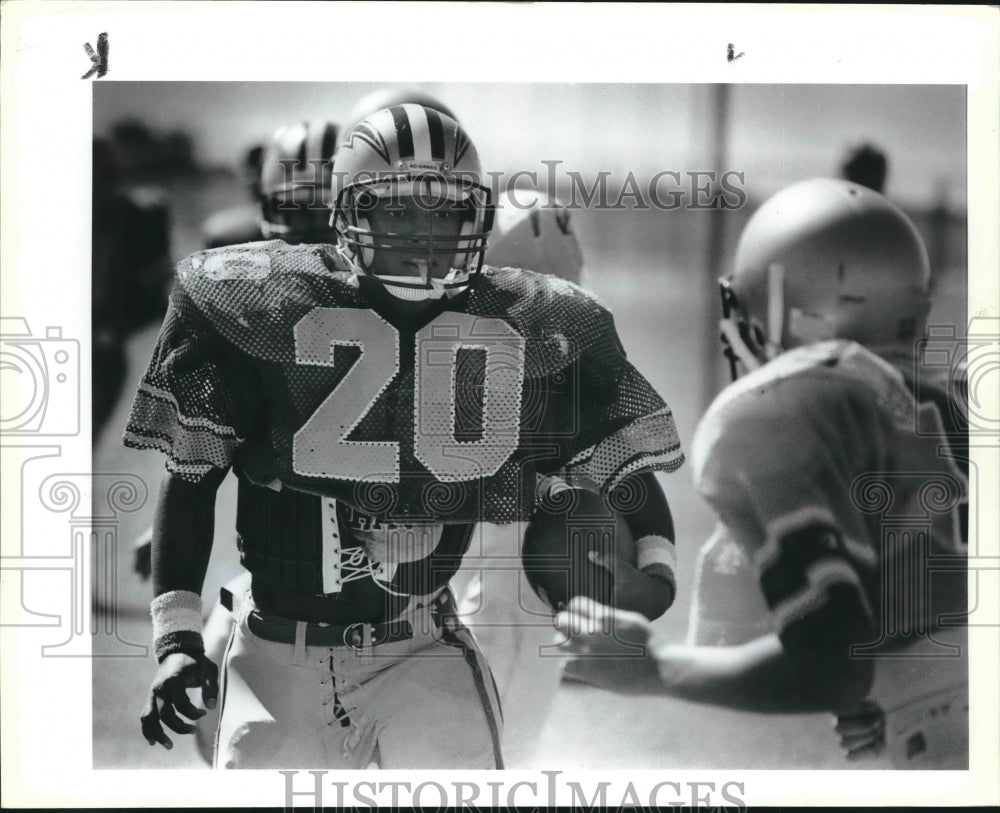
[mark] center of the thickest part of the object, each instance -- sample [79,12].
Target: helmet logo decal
[462,143]
[367,134]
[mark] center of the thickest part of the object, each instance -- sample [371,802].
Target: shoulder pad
[796,390]
[560,320]
[540,305]
[253,293]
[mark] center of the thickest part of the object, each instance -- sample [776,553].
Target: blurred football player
[240,223]
[130,273]
[373,399]
[867,165]
[535,230]
[295,184]
[849,520]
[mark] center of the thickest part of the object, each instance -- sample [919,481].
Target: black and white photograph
[670,487]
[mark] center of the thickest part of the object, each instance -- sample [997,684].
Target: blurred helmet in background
[415,156]
[826,259]
[252,166]
[867,165]
[534,231]
[295,183]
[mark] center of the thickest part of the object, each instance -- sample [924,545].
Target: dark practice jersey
[830,436]
[272,360]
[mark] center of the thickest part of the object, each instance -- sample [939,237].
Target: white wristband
[654,549]
[176,611]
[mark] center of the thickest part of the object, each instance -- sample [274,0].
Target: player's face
[407,217]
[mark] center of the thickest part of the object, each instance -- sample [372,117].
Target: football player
[295,184]
[850,521]
[376,399]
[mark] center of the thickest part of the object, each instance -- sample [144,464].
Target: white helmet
[415,152]
[825,259]
[534,231]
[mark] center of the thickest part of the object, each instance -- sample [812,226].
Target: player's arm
[196,403]
[806,667]
[817,595]
[648,585]
[632,430]
[577,543]
[181,547]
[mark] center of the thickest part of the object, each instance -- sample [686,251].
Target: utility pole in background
[714,252]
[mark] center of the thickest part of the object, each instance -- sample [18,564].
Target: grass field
[649,269]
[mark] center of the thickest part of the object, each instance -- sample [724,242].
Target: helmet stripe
[436,131]
[421,132]
[404,132]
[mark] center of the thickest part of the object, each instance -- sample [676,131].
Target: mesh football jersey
[272,360]
[830,435]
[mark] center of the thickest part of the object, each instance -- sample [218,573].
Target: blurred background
[171,165]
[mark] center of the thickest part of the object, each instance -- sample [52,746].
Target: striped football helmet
[295,183]
[411,155]
[825,259]
[391,97]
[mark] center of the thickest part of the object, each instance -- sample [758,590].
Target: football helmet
[825,259]
[539,237]
[390,97]
[411,155]
[295,183]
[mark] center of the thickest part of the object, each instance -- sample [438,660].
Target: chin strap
[736,349]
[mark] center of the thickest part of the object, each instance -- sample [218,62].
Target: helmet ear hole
[365,201]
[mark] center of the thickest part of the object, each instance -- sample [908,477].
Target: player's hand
[862,731]
[609,648]
[635,589]
[168,696]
